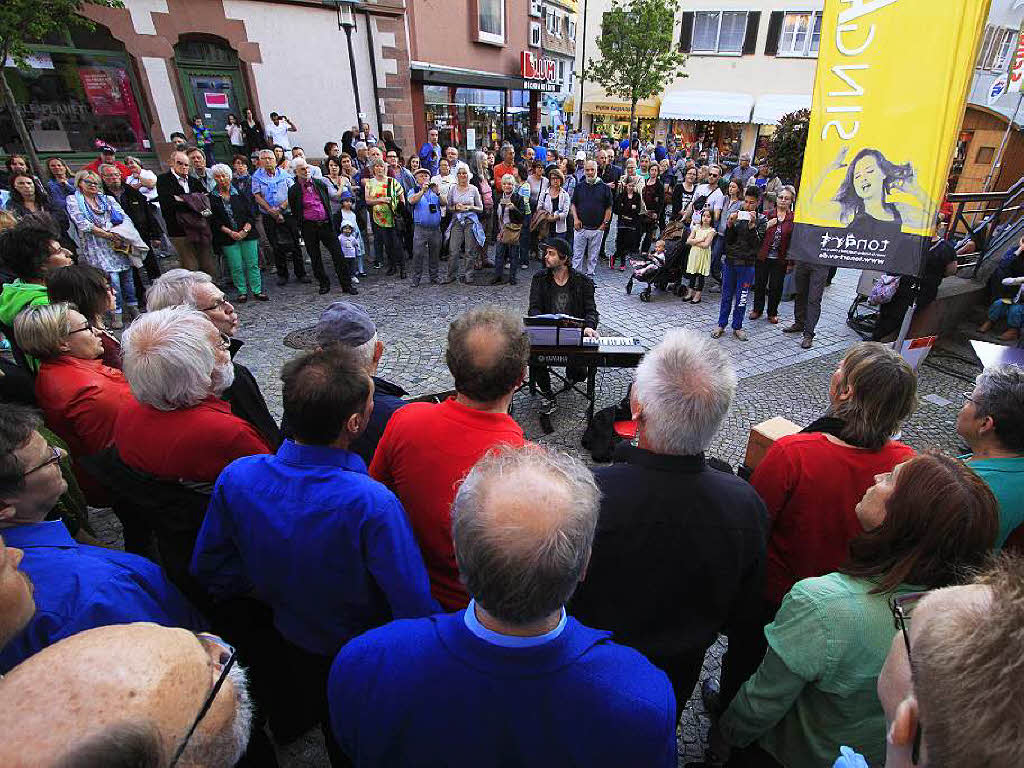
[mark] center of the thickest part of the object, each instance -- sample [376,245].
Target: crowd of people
[417,579]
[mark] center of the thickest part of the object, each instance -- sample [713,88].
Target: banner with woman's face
[888,103]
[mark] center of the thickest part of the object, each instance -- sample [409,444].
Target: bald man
[132,689]
[512,673]
[426,448]
[961,702]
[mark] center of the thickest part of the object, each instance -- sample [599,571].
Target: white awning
[771,107]
[718,106]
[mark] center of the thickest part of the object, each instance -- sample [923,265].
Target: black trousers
[747,646]
[683,670]
[627,240]
[284,239]
[541,376]
[317,233]
[768,278]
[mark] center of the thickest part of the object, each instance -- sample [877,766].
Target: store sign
[1017,63]
[882,132]
[534,68]
[537,85]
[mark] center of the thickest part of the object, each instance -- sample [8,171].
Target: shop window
[491,21]
[719,31]
[800,35]
[71,100]
[985,155]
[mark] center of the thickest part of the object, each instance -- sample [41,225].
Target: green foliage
[26,21]
[637,57]
[786,148]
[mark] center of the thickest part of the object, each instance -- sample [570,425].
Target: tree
[26,21]
[637,57]
[786,148]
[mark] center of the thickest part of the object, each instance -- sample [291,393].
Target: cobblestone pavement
[777,377]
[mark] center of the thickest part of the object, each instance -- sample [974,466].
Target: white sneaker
[355,281]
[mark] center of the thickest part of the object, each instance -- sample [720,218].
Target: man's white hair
[685,386]
[169,359]
[363,354]
[175,287]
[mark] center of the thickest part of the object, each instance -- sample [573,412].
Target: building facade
[147,69]
[553,38]
[748,64]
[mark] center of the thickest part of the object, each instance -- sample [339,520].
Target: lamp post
[347,22]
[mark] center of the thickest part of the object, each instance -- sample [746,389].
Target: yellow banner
[888,104]
[646,110]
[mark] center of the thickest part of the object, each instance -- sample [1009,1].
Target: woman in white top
[554,206]
[445,180]
[235,135]
[466,206]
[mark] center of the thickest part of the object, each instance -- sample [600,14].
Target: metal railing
[989,219]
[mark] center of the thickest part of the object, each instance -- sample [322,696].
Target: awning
[646,109]
[717,106]
[771,107]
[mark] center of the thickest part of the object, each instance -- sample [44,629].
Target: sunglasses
[227,658]
[901,608]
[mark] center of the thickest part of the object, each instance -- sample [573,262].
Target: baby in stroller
[658,267]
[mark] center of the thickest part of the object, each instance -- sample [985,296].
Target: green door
[212,83]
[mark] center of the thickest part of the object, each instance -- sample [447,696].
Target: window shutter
[771,46]
[686,32]
[750,40]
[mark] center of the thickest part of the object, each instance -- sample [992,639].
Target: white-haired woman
[234,233]
[465,206]
[511,210]
[94,216]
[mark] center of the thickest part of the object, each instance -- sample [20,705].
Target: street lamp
[347,22]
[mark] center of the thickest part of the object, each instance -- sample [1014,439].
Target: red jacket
[769,235]
[80,400]
[185,444]
[811,487]
[95,167]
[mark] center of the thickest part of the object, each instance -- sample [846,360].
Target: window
[491,21]
[535,34]
[535,10]
[553,22]
[801,34]
[719,31]
[572,29]
[561,70]
[984,156]
[997,48]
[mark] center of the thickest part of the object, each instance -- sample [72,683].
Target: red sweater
[811,487]
[425,451]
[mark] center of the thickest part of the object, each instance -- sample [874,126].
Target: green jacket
[15,297]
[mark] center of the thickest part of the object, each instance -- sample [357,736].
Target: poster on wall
[885,116]
[215,100]
[109,93]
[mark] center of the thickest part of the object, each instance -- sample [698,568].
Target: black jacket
[678,554]
[581,287]
[247,401]
[240,210]
[167,187]
[295,199]
[742,243]
[139,211]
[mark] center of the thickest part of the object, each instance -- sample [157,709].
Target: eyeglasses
[901,608]
[87,327]
[90,182]
[968,397]
[216,305]
[55,455]
[227,660]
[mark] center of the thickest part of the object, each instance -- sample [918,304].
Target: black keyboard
[600,355]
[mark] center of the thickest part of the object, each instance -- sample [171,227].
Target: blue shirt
[461,701]
[273,188]
[387,398]
[660,153]
[314,537]
[421,214]
[592,201]
[78,587]
[509,641]
[540,153]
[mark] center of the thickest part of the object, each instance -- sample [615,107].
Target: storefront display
[720,140]
[612,119]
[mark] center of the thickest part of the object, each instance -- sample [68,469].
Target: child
[744,232]
[698,265]
[426,217]
[348,215]
[204,140]
[647,266]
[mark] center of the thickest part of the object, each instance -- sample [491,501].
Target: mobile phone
[743,216]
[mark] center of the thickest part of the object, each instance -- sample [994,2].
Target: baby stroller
[659,270]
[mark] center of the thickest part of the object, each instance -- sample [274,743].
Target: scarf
[830,425]
[105,207]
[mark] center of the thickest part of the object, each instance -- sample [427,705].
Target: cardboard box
[764,435]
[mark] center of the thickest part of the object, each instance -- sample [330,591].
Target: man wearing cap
[307,532]
[426,216]
[348,325]
[107,157]
[560,289]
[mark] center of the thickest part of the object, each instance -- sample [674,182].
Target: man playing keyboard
[559,289]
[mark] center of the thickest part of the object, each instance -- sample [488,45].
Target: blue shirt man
[78,587]
[426,212]
[430,152]
[273,187]
[307,531]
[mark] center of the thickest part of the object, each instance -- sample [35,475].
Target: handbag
[510,234]
[884,289]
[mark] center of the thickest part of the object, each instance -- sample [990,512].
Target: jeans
[461,245]
[737,280]
[585,246]
[124,288]
[768,278]
[809,280]
[317,233]
[1014,313]
[426,248]
[284,239]
[243,258]
[505,253]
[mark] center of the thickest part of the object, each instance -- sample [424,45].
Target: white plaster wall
[305,71]
[140,11]
[163,95]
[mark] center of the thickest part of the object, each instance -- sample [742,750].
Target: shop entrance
[212,83]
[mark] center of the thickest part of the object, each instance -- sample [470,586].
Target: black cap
[559,245]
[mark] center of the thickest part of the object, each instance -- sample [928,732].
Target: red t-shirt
[187,444]
[811,487]
[425,451]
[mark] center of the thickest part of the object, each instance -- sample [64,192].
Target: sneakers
[355,281]
[261,296]
[740,334]
[325,288]
[794,328]
[806,342]
[352,291]
[717,333]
